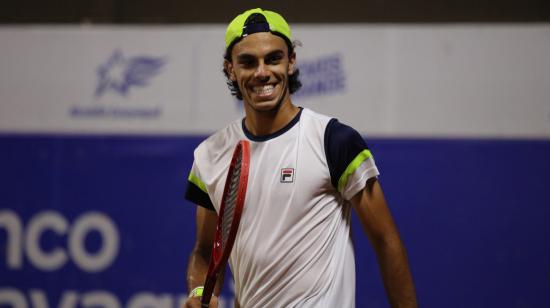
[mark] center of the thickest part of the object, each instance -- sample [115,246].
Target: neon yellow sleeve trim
[195,180]
[355,163]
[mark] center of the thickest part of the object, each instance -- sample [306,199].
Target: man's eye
[273,59]
[246,62]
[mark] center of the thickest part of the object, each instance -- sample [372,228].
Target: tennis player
[307,172]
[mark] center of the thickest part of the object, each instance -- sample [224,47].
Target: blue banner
[101,221]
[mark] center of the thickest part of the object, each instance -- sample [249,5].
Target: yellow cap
[239,27]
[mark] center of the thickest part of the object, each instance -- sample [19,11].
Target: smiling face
[260,66]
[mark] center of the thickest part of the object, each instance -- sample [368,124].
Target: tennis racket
[229,217]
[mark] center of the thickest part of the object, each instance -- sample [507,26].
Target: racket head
[229,216]
[232,203]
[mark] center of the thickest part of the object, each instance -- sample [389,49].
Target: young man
[294,247]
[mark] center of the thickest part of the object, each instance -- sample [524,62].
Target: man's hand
[195,302]
[200,258]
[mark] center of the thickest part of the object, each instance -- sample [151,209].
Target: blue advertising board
[101,221]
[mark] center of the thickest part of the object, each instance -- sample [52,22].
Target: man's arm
[380,228]
[200,256]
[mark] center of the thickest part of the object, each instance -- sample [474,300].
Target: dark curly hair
[294,83]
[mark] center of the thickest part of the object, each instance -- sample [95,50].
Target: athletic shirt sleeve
[196,190]
[349,159]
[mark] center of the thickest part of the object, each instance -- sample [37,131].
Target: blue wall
[471,212]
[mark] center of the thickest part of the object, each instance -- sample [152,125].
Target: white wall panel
[385,80]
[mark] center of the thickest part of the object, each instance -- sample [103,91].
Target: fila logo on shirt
[287,175]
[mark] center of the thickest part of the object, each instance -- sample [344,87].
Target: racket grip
[209,285]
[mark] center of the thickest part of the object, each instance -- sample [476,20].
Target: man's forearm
[197,270]
[396,274]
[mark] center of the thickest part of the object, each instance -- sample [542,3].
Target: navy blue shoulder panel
[342,145]
[199,197]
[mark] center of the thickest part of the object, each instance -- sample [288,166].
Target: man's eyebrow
[245,56]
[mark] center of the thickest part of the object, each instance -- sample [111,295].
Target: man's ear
[292,63]
[228,67]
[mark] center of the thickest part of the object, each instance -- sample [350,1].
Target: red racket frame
[220,254]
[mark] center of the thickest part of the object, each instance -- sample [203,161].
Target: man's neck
[269,122]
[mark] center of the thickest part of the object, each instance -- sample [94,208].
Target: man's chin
[266,105]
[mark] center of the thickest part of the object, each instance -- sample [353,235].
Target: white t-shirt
[293,247]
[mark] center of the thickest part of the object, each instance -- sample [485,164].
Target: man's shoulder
[329,124]
[315,118]
[222,138]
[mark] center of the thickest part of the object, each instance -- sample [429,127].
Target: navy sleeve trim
[342,145]
[199,197]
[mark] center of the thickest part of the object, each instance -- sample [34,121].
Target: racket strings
[229,209]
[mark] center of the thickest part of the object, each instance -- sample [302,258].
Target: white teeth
[262,90]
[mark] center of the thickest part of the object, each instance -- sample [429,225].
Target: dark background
[318,11]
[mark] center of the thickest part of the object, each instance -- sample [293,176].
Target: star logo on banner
[119,74]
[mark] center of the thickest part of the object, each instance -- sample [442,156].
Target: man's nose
[261,71]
